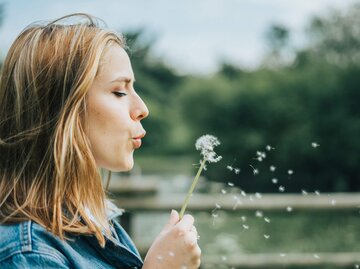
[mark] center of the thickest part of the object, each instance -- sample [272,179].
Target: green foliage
[287,106]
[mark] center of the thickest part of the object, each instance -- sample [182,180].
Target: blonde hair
[47,171]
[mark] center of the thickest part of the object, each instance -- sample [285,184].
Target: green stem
[191,190]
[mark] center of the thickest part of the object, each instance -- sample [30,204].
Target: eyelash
[119,94]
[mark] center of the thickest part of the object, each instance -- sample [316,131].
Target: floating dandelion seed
[205,144]
[315,145]
[223,191]
[266,236]
[237,170]
[304,192]
[333,202]
[274,180]
[281,188]
[246,227]
[290,172]
[267,220]
[237,202]
[243,218]
[268,148]
[357,266]
[272,168]
[282,254]
[259,214]
[258,195]
[255,171]
[230,184]
[289,209]
[229,167]
[243,193]
[217,206]
[317,192]
[316,256]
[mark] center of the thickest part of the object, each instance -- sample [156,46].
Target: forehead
[115,63]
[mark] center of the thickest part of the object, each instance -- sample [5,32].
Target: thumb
[173,219]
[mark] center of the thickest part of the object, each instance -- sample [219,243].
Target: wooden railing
[138,197]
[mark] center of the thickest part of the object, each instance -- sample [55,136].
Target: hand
[176,246]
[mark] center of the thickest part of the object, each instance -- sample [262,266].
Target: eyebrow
[123,79]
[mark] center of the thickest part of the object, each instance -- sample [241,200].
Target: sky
[192,36]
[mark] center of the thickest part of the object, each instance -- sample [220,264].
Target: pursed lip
[137,140]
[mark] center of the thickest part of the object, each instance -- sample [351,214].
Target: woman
[68,108]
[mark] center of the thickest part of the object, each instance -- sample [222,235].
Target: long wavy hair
[47,171]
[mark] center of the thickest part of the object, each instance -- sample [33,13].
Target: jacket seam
[26,253]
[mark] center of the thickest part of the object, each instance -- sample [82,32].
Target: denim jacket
[29,245]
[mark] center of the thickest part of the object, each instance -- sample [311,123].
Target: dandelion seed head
[206,145]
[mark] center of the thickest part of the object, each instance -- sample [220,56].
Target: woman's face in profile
[114,112]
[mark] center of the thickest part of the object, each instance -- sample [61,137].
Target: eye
[119,94]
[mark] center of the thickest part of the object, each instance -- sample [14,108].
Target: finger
[185,223]
[173,220]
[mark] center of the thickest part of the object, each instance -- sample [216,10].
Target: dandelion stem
[191,190]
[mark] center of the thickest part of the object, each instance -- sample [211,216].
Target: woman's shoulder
[28,243]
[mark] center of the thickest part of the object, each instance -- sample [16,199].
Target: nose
[140,110]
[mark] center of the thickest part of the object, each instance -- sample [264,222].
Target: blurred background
[278,82]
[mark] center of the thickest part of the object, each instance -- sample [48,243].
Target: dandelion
[272,168]
[315,145]
[205,144]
